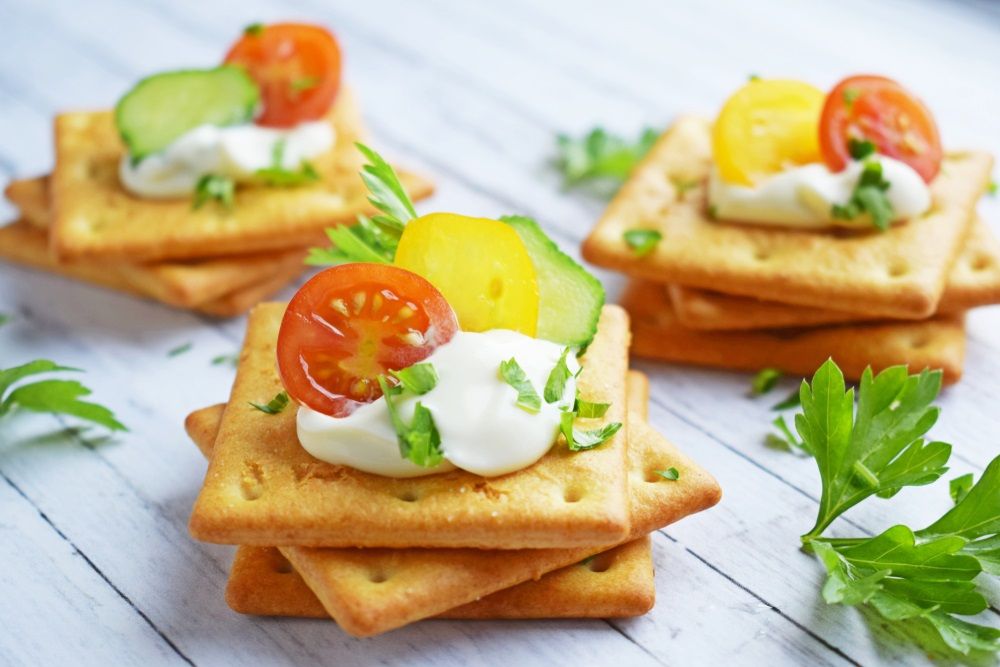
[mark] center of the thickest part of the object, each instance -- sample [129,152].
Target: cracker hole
[918,342]
[601,562]
[252,484]
[762,254]
[573,494]
[408,496]
[378,576]
[898,269]
[981,263]
[282,566]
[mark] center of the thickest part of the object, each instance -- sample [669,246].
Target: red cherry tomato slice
[879,110]
[297,67]
[351,323]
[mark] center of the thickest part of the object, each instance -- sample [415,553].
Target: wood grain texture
[471,94]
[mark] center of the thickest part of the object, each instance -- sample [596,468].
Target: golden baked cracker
[426,582]
[222,287]
[897,273]
[615,584]
[31,197]
[95,217]
[657,334]
[262,488]
[974,281]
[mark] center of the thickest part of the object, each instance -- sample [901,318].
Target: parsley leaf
[277,175]
[228,359]
[642,241]
[959,487]
[419,441]
[881,448]
[304,83]
[600,155]
[555,386]
[788,402]
[764,381]
[180,349]
[991,189]
[527,398]
[254,29]
[418,378]
[275,405]
[590,410]
[860,148]
[5,318]
[579,439]
[868,197]
[850,95]
[210,187]
[387,193]
[784,438]
[670,473]
[51,396]
[361,242]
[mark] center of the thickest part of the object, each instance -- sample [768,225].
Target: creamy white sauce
[236,151]
[482,429]
[803,196]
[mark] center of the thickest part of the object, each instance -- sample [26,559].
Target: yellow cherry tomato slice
[767,125]
[481,266]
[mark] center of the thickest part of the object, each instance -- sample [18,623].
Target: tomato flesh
[879,110]
[351,323]
[297,67]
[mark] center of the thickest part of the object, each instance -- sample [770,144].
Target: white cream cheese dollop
[236,151]
[482,429]
[803,196]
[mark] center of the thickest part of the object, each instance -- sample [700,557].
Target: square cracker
[974,281]
[419,583]
[221,287]
[897,273]
[613,584]
[263,489]
[657,334]
[95,217]
[31,197]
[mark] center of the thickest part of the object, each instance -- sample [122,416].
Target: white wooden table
[96,565]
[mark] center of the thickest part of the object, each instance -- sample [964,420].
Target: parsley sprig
[642,241]
[50,396]
[527,398]
[926,577]
[214,187]
[601,155]
[419,440]
[869,197]
[274,406]
[277,175]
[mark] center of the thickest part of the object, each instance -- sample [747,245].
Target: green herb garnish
[275,405]
[228,359]
[278,176]
[387,193]
[670,473]
[764,381]
[555,386]
[418,378]
[959,488]
[527,398]
[850,95]
[5,318]
[600,155]
[419,441]
[860,148]
[579,439]
[991,189]
[642,241]
[51,396]
[925,577]
[589,410]
[304,83]
[180,349]
[221,189]
[868,197]
[254,29]
[753,77]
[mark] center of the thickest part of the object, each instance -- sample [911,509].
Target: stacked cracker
[566,537]
[747,297]
[80,222]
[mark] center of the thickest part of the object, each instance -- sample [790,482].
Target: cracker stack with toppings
[203,188]
[802,225]
[447,428]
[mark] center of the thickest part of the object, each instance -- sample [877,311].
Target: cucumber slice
[570,298]
[164,106]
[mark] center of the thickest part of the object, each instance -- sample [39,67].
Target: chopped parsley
[226,359]
[580,439]
[868,197]
[642,241]
[671,473]
[555,386]
[254,29]
[764,381]
[180,349]
[589,410]
[418,378]
[991,189]
[5,318]
[419,441]
[527,398]
[860,148]
[275,405]
[304,83]
[213,187]
[51,396]
[850,95]
[278,176]
[600,155]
